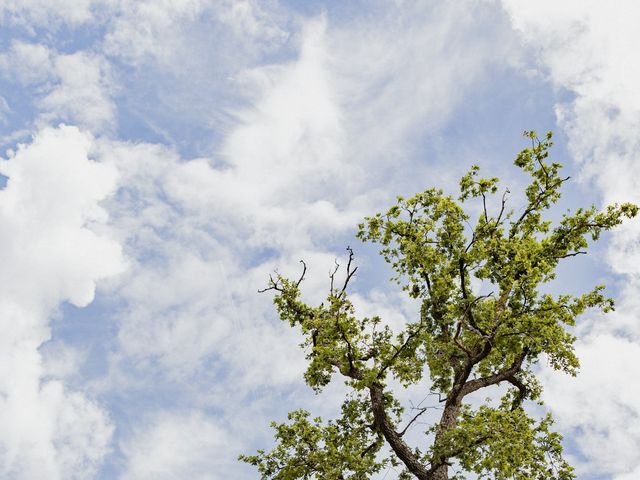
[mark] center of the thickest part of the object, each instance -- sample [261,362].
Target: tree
[463,341]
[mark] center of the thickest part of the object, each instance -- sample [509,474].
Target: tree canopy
[462,342]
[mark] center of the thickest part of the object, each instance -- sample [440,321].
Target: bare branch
[332,275]
[304,271]
[421,411]
[484,208]
[573,254]
[273,285]
[504,202]
[441,399]
[350,272]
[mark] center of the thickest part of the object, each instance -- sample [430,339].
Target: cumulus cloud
[587,48]
[194,231]
[50,254]
[189,290]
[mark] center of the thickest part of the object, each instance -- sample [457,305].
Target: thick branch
[501,376]
[443,462]
[385,426]
[393,438]
[522,391]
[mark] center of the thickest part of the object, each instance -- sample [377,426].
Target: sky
[161,157]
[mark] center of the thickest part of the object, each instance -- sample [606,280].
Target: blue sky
[163,156]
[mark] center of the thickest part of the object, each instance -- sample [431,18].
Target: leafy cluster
[464,340]
[308,449]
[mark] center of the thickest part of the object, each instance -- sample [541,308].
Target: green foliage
[464,340]
[341,449]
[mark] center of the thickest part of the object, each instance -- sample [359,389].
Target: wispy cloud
[173,446]
[31,14]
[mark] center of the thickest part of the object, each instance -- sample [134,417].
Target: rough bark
[386,427]
[449,420]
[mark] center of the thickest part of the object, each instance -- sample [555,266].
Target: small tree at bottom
[464,341]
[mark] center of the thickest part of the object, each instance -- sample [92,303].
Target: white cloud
[194,229]
[588,48]
[82,93]
[28,63]
[172,446]
[44,13]
[50,253]
[602,403]
[249,18]
[75,88]
[404,72]
[150,28]
[162,32]
[188,293]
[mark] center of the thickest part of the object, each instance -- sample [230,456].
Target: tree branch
[421,411]
[399,350]
[503,375]
[532,207]
[522,391]
[350,273]
[394,439]
[273,285]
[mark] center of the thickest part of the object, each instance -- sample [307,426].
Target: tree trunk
[448,421]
